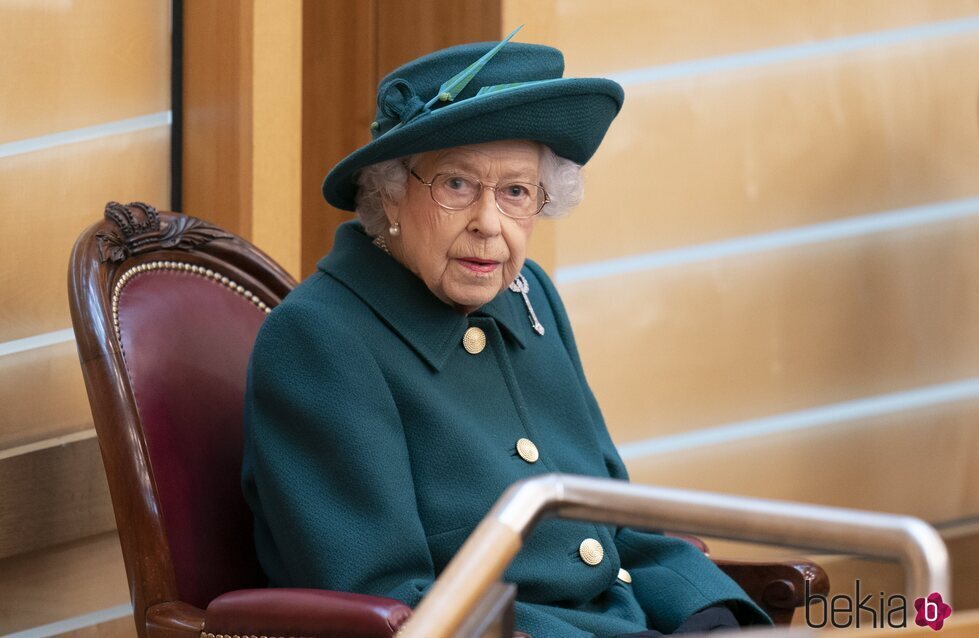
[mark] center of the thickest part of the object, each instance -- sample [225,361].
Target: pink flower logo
[932,611]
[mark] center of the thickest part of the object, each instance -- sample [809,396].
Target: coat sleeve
[671,578]
[326,469]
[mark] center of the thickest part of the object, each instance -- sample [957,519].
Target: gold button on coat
[625,576]
[527,450]
[474,340]
[591,551]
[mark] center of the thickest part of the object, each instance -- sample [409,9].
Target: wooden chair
[165,309]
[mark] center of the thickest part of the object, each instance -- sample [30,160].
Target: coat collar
[403,301]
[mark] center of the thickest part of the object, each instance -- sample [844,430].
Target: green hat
[481,93]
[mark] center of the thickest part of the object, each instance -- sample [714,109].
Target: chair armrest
[314,613]
[173,620]
[778,588]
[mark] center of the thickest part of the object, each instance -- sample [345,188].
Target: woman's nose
[484,215]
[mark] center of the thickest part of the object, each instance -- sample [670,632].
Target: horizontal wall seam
[75,622]
[56,441]
[796,52]
[117,127]
[880,405]
[36,341]
[814,233]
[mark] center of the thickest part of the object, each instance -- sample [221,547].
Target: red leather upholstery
[186,341]
[303,612]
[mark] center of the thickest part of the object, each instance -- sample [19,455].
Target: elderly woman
[428,364]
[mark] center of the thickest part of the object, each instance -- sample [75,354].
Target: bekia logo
[843,611]
[932,611]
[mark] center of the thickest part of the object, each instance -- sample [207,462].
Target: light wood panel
[47,198]
[406,31]
[603,37]
[918,462]
[709,158]
[52,496]
[118,628]
[217,109]
[70,580]
[42,394]
[964,552]
[74,64]
[340,50]
[705,344]
[242,132]
[277,130]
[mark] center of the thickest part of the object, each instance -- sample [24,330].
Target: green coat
[374,443]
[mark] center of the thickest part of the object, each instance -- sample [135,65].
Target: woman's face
[465,257]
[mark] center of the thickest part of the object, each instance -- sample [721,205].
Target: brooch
[521,286]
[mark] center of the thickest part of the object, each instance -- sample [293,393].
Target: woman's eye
[458,183]
[516,191]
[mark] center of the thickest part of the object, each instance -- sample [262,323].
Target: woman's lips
[478,265]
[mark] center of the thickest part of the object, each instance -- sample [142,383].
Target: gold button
[625,576]
[474,340]
[591,551]
[527,450]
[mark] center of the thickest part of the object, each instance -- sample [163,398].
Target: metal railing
[488,551]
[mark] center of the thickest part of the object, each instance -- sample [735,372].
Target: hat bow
[399,102]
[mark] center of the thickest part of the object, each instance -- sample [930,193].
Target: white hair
[560,177]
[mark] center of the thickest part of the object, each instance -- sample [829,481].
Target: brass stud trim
[207,273]
[207,634]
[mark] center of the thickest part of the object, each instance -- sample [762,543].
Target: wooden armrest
[778,588]
[314,613]
[174,620]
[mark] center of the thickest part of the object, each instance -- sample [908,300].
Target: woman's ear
[392,209]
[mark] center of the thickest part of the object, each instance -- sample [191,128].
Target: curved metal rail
[488,551]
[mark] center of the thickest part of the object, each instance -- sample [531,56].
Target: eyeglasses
[454,191]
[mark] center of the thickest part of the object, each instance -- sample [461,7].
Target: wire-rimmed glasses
[456,191]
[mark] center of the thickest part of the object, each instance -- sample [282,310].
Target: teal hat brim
[569,115]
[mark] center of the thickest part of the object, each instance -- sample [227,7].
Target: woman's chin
[473,295]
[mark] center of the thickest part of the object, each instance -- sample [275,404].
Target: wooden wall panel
[47,199]
[71,580]
[406,31]
[339,91]
[733,154]
[277,108]
[676,349]
[616,35]
[68,65]
[217,106]
[243,108]
[42,394]
[53,495]
[123,627]
[913,462]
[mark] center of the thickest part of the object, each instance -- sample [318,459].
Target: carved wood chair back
[165,309]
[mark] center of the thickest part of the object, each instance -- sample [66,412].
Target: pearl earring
[395,229]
